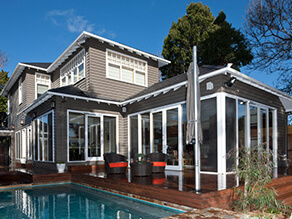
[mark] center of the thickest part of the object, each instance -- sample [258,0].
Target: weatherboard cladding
[100,85]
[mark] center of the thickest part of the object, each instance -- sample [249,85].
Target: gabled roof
[50,67]
[44,65]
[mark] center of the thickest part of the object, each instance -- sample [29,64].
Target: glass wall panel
[109,132]
[145,126]
[17,145]
[40,138]
[157,132]
[263,116]
[172,136]
[209,127]
[50,137]
[253,127]
[230,133]
[271,129]
[188,150]
[134,136]
[94,149]
[45,134]
[76,137]
[241,124]
[36,147]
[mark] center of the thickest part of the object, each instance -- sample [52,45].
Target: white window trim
[37,139]
[8,104]
[72,62]
[120,65]
[36,83]
[20,90]
[101,116]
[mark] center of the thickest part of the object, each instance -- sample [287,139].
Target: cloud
[68,18]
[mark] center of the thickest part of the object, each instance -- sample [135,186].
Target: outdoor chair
[115,163]
[159,161]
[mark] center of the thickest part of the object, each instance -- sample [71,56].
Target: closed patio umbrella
[194,130]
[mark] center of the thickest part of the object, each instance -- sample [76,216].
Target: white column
[221,133]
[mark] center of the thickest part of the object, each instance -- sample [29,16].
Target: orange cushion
[118,164]
[158,181]
[159,164]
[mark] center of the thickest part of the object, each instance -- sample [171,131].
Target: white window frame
[20,90]
[41,150]
[164,110]
[101,116]
[69,67]
[29,142]
[38,82]
[126,66]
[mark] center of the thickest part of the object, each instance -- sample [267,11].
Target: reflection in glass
[253,127]
[94,137]
[172,136]
[157,132]
[271,129]
[109,133]
[241,124]
[145,122]
[76,137]
[209,127]
[263,118]
[134,136]
[188,150]
[230,133]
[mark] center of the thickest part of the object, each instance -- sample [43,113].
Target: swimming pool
[75,201]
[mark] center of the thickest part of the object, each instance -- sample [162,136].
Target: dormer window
[125,68]
[74,70]
[43,83]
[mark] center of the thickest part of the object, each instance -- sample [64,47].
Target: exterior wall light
[230,83]
[53,105]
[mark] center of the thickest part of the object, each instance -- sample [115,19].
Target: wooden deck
[176,188]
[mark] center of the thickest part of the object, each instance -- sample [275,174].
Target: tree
[3,59]
[225,45]
[269,27]
[191,29]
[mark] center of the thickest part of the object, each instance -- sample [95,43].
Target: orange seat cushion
[158,164]
[158,181]
[118,164]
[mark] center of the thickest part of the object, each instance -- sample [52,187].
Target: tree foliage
[191,29]
[225,45]
[269,27]
[3,59]
[3,100]
[218,43]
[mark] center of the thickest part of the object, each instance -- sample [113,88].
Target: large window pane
[81,71]
[263,127]
[241,123]
[209,127]
[140,78]
[134,136]
[45,137]
[94,149]
[253,127]
[40,138]
[36,147]
[157,132]
[145,133]
[41,89]
[17,145]
[50,137]
[76,137]
[109,134]
[271,129]
[230,133]
[188,150]
[172,136]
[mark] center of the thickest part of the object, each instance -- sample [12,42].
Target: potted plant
[22,160]
[61,167]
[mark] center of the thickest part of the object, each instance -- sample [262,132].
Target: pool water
[75,201]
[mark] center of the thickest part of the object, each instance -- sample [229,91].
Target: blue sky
[39,31]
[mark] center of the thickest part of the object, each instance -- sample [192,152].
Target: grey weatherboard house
[101,96]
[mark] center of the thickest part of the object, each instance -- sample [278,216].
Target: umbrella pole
[196,142]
